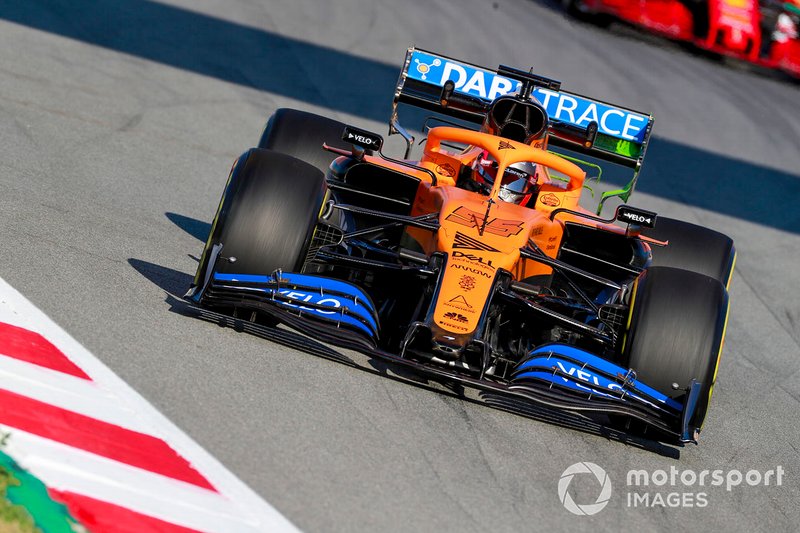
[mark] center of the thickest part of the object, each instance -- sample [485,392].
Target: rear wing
[622,133]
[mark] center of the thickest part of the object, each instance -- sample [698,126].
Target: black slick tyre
[267,214]
[693,247]
[676,332]
[301,135]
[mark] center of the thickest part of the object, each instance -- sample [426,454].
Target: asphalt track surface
[119,121]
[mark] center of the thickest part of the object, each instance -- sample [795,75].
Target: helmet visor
[518,181]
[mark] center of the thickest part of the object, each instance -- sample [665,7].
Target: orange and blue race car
[474,263]
[762,32]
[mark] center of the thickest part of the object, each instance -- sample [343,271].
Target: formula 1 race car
[764,33]
[475,263]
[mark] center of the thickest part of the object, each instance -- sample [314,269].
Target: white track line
[68,392]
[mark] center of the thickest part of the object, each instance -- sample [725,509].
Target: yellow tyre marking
[630,315]
[719,355]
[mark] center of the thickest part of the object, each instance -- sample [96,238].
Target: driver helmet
[519,179]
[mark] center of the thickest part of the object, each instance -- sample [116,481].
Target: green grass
[25,503]
[13,518]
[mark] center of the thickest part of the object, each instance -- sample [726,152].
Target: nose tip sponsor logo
[590,508]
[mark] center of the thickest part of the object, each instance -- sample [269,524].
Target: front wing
[339,313]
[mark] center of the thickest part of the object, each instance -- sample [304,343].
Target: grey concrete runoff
[119,122]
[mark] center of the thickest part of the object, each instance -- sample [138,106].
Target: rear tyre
[301,135]
[694,248]
[677,328]
[267,214]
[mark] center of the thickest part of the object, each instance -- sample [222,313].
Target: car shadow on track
[169,280]
[218,48]
[196,228]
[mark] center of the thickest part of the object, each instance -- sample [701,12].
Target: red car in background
[785,40]
[764,33]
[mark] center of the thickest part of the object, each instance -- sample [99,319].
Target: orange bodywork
[481,233]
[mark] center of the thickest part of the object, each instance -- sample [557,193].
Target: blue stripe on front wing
[335,295]
[538,359]
[306,280]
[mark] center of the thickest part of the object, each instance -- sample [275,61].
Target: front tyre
[266,217]
[676,333]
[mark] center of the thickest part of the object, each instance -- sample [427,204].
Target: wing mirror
[362,138]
